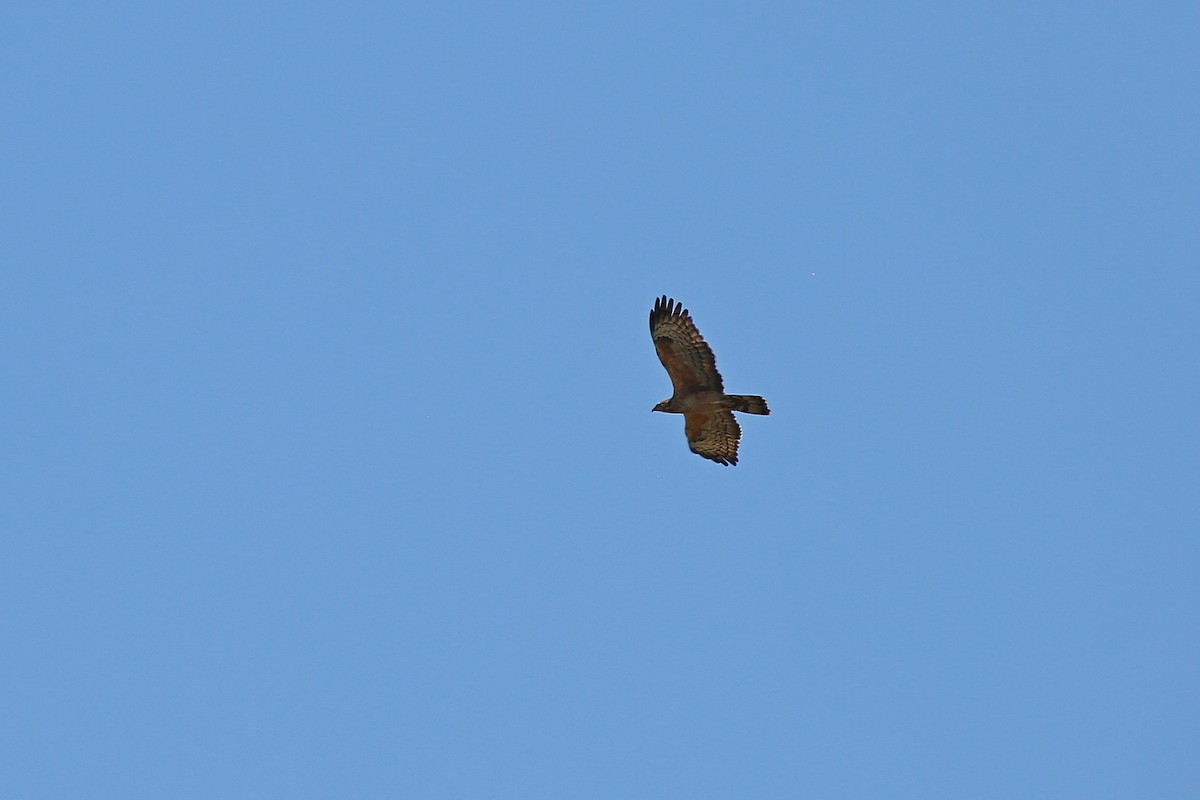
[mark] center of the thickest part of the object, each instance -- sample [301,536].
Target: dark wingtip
[665,306]
[724,461]
[669,306]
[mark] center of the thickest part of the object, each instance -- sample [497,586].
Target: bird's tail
[749,403]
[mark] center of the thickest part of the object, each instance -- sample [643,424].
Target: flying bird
[699,395]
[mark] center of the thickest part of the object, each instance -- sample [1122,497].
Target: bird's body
[697,401]
[699,395]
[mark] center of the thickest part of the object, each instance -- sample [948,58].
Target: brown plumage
[699,395]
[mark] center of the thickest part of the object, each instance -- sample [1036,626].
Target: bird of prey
[699,395]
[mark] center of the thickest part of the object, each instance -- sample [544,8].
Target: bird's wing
[713,434]
[682,350]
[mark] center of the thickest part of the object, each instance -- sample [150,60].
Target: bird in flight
[699,395]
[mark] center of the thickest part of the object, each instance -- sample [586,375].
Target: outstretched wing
[713,434]
[682,350]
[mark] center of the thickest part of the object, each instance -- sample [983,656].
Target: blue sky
[330,469]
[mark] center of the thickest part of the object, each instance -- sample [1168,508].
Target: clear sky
[329,468]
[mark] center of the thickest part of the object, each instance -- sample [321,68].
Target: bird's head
[661,406]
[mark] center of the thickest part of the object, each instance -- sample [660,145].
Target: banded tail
[749,404]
